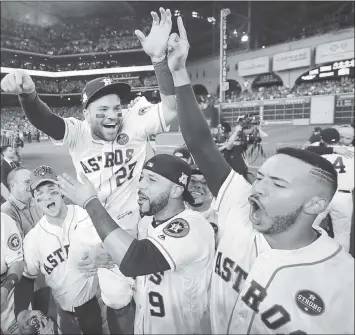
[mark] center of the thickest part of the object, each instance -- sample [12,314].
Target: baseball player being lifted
[341,207]
[47,250]
[171,260]
[11,272]
[108,148]
[274,273]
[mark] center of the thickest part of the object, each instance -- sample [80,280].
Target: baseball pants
[8,320]
[85,320]
[340,210]
[121,321]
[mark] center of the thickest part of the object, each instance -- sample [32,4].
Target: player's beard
[156,205]
[282,222]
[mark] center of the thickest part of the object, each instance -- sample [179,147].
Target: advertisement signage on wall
[334,51]
[253,66]
[335,70]
[291,59]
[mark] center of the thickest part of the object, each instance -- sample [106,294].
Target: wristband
[10,282]
[90,199]
[32,96]
[164,78]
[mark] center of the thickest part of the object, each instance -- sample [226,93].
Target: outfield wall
[324,109]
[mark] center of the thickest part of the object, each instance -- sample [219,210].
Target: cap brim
[39,182]
[187,196]
[121,89]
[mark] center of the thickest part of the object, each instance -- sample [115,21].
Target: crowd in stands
[70,66]
[112,33]
[100,34]
[345,85]
[64,86]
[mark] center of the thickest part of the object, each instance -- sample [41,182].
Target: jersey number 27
[124,173]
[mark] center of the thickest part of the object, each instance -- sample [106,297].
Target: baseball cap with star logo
[103,85]
[42,174]
[173,169]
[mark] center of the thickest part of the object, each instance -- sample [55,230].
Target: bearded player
[107,147]
[171,259]
[274,273]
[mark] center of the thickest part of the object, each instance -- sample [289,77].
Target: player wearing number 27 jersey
[114,168]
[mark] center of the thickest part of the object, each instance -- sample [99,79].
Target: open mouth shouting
[141,198]
[256,210]
[51,205]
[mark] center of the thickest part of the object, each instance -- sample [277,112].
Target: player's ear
[176,191]
[86,114]
[315,206]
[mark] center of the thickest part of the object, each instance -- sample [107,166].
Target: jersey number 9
[156,301]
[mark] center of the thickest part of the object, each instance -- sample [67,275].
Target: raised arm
[195,130]
[134,257]
[155,46]
[38,113]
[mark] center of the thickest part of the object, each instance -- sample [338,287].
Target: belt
[345,191]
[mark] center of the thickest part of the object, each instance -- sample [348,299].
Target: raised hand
[178,48]
[78,192]
[18,82]
[155,44]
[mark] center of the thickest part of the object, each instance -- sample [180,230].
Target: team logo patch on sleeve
[14,242]
[122,139]
[144,110]
[309,302]
[177,228]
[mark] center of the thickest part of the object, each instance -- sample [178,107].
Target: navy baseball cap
[42,174]
[182,152]
[173,169]
[103,85]
[330,135]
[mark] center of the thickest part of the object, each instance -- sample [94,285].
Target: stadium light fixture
[194,14]
[263,46]
[244,38]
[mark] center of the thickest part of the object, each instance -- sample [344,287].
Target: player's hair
[4,148]
[11,175]
[325,169]
[226,126]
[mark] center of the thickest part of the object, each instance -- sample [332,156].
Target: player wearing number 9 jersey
[171,260]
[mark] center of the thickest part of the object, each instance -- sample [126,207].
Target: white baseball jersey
[46,251]
[259,290]
[11,252]
[115,167]
[341,206]
[116,289]
[174,301]
[345,168]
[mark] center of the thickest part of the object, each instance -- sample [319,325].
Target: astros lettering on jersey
[114,167]
[259,290]
[47,250]
[11,252]
[174,301]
